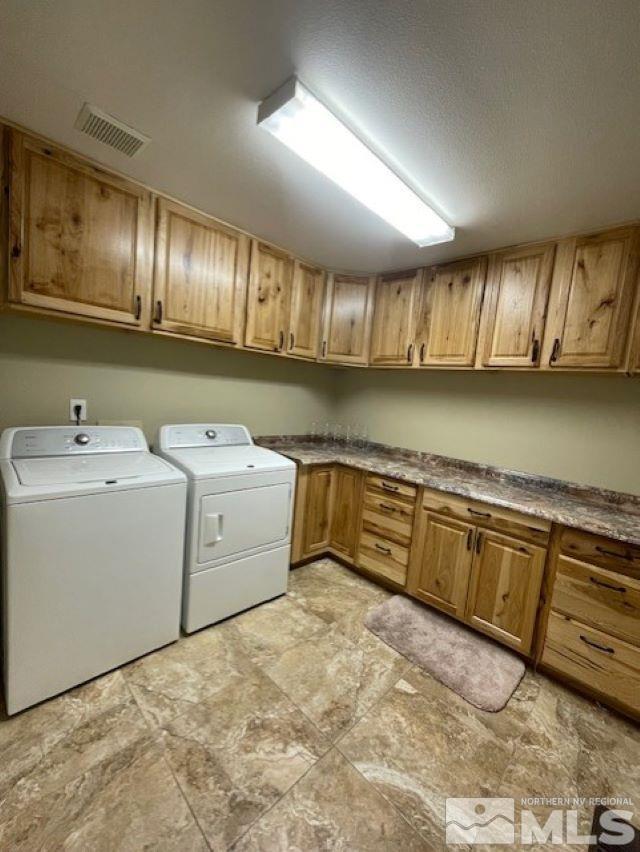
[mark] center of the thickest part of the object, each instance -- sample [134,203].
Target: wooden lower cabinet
[441,562]
[347,496]
[504,591]
[318,510]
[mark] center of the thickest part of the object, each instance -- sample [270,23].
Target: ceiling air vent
[105,128]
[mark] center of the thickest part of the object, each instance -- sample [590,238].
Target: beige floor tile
[267,630]
[332,592]
[48,745]
[332,808]
[237,753]
[127,803]
[332,680]
[170,681]
[422,743]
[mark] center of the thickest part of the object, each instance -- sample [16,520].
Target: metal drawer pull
[613,588]
[479,514]
[382,549]
[388,487]
[388,507]
[605,552]
[596,646]
[469,538]
[479,543]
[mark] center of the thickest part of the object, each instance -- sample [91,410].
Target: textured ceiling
[518,119]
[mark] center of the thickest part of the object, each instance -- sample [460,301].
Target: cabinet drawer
[486,515]
[387,527]
[382,484]
[383,557]
[606,552]
[605,664]
[606,599]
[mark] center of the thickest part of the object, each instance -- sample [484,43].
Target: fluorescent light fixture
[298,119]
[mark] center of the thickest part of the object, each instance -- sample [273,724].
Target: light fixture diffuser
[299,120]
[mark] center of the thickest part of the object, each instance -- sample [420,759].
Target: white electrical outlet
[72,409]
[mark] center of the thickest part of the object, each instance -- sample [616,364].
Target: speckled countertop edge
[609,513]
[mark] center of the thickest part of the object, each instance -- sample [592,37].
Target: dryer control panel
[44,441]
[204,435]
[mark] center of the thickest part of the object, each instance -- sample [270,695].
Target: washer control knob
[82,439]
[211,433]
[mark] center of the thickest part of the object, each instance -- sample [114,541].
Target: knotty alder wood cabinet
[592,293]
[81,238]
[480,564]
[515,305]
[593,618]
[200,275]
[348,309]
[307,293]
[397,296]
[268,297]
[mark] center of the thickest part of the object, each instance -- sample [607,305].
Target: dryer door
[233,523]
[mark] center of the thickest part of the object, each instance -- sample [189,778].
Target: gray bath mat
[481,672]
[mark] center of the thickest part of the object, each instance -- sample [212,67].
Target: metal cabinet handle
[596,646]
[291,340]
[388,487]
[422,348]
[158,317]
[605,552]
[610,586]
[383,549]
[324,348]
[410,353]
[479,514]
[138,312]
[535,350]
[555,351]
[280,341]
[469,538]
[387,507]
[479,542]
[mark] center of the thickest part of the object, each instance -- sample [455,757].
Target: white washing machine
[92,550]
[239,517]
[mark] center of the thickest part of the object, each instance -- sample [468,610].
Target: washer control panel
[75,440]
[204,435]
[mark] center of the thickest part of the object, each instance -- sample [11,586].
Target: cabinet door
[307,292]
[450,314]
[347,319]
[441,562]
[505,588]
[318,510]
[347,497]
[200,275]
[393,329]
[514,308]
[81,238]
[268,297]
[590,304]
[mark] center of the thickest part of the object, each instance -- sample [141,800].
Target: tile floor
[290,727]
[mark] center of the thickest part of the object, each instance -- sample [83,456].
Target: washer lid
[203,462]
[66,470]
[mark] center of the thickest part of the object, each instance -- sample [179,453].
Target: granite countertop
[609,513]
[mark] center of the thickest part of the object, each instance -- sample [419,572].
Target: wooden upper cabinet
[81,238]
[268,297]
[591,298]
[441,562]
[307,291]
[514,307]
[633,357]
[396,297]
[200,275]
[450,314]
[505,588]
[347,319]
